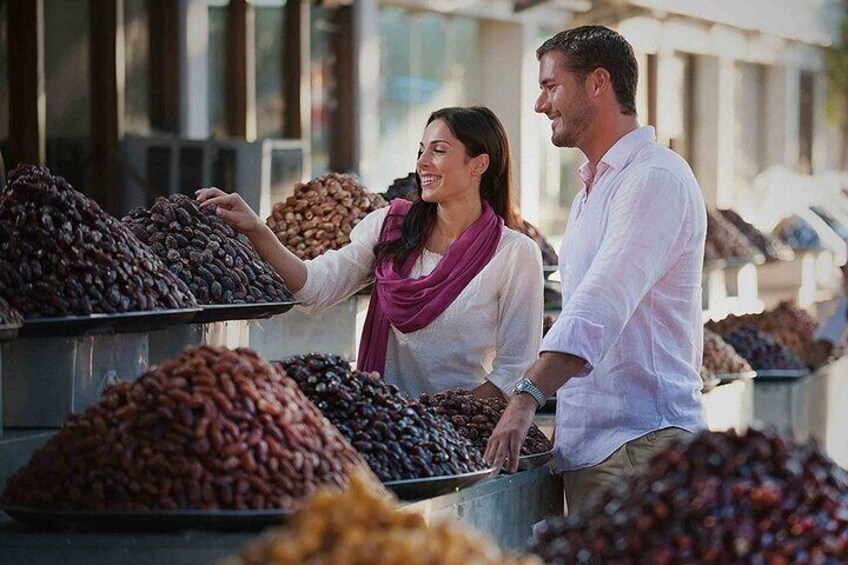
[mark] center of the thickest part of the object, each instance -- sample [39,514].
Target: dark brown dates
[61,255]
[215,428]
[720,499]
[219,266]
[398,437]
[8,315]
[476,418]
[761,350]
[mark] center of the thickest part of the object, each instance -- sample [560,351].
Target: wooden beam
[293,67]
[164,37]
[239,68]
[27,109]
[342,153]
[107,90]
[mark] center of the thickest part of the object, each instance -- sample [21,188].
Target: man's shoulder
[656,159]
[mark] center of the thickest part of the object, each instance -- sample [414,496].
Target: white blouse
[492,331]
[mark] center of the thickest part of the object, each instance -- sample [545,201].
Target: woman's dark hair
[480,130]
[587,48]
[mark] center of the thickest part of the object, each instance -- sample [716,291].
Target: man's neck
[605,135]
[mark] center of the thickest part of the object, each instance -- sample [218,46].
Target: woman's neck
[453,218]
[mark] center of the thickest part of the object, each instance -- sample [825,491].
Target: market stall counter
[810,406]
[505,507]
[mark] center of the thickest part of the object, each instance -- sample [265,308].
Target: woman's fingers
[203,194]
[225,201]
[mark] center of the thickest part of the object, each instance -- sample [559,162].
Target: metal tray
[153,521]
[527,462]
[106,323]
[224,312]
[726,377]
[781,374]
[416,489]
[9,331]
[550,405]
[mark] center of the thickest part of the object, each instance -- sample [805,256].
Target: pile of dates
[476,418]
[320,215]
[8,315]
[761,350]
[720,358]
[218,265]
[708,379]
[771,247]
[213,429]
[547,323]
[725,241]
[549,255]
[61,255]
[720,499]
[398,438]
[798,234]
[363,525]
[790,326]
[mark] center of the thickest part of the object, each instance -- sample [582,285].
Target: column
[26,82]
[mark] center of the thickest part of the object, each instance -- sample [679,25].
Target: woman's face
[446,170]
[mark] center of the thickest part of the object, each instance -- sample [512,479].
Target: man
[624,355]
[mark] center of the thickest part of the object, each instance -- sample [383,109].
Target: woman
[458,297]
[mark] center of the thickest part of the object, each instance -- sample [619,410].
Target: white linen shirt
[631,263]
[490,332]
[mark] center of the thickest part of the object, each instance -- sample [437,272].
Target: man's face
[564,100]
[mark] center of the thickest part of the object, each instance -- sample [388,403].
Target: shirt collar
[619,154]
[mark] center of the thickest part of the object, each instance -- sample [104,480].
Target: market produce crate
[46,379]
[333,331]
[730,405]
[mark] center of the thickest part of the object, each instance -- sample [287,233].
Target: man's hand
[506,440]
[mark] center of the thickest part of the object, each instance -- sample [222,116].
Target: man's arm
[550,372]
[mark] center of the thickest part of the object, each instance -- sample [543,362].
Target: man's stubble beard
[576,127]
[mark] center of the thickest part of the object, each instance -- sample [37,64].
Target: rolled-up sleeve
[338,274]
[520,311]
[647,219]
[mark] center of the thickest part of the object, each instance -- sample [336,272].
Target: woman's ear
[480,164]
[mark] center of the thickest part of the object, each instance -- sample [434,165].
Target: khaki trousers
[628,460]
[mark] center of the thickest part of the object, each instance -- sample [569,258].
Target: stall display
[320,215]
[363,525]
[789,325]
[61,255]
[10,321]
[725,241]
[404,187]
[798,234]
[8,315]
[547,323]
[720,358]
[762,351]
[215,429]
[217,264]
[720,498]
[708,379]
[771,247]
[549,255]
[834,224]
[399,438]
[475,418]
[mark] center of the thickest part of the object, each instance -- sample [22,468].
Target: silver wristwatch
[527,386]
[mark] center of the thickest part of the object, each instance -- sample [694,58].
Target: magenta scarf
[411,304]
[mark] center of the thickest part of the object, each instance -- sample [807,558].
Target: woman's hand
[230,208]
